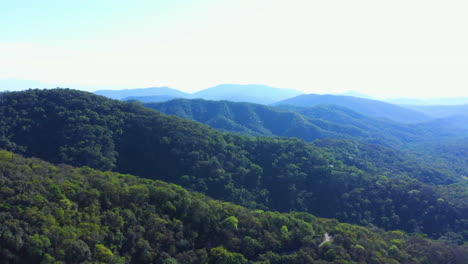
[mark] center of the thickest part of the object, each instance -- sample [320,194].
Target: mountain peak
[355,94]
[254,93]
[151,91]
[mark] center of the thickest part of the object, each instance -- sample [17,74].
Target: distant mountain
[440,111]
[327,122]
[307,123]
[405,101]
[246,118]
[430,101]
[334,122]
[441,142]
[361,105]
[252,93]
[150,98]
[356,94]
[153,91]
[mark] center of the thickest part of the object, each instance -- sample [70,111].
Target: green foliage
[75,251]
[103,254]
[421,151]
[221,255]
[81,129]
[230,222]
[117,225]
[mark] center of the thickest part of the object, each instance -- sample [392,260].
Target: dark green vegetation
[81,129]
[80,215]
[361,105]
[245,118]
[312,123]
[307,123]
[400,145]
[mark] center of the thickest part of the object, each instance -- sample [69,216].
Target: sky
[381,48]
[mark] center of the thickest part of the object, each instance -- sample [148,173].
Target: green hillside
[82,129]
[62,214]
[245,118]
[410,143]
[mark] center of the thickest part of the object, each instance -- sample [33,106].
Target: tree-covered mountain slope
[82,129]
[246,118]
[62,214]
[328,121]
[363,106]
[377,159]
[310,123]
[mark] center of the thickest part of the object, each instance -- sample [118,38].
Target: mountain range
[358,169]
[261,94]
[234,92]
[290,98]
[332,122]
[361,105]
[243,95]
[142,92]
[81,129]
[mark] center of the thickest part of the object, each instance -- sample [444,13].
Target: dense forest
[82,129]
[62,214]
[245,118]
[419,144]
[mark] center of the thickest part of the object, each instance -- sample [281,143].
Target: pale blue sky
[51,21]
[382,48]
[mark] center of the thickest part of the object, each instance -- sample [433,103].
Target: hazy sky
[382,48]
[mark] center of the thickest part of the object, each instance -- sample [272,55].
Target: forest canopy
[82,129]
[62,214]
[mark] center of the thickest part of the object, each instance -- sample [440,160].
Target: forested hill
[323,121]
[82,129]
[329,121]
[363,106]
[62,214]
[310,123]
[247,118]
